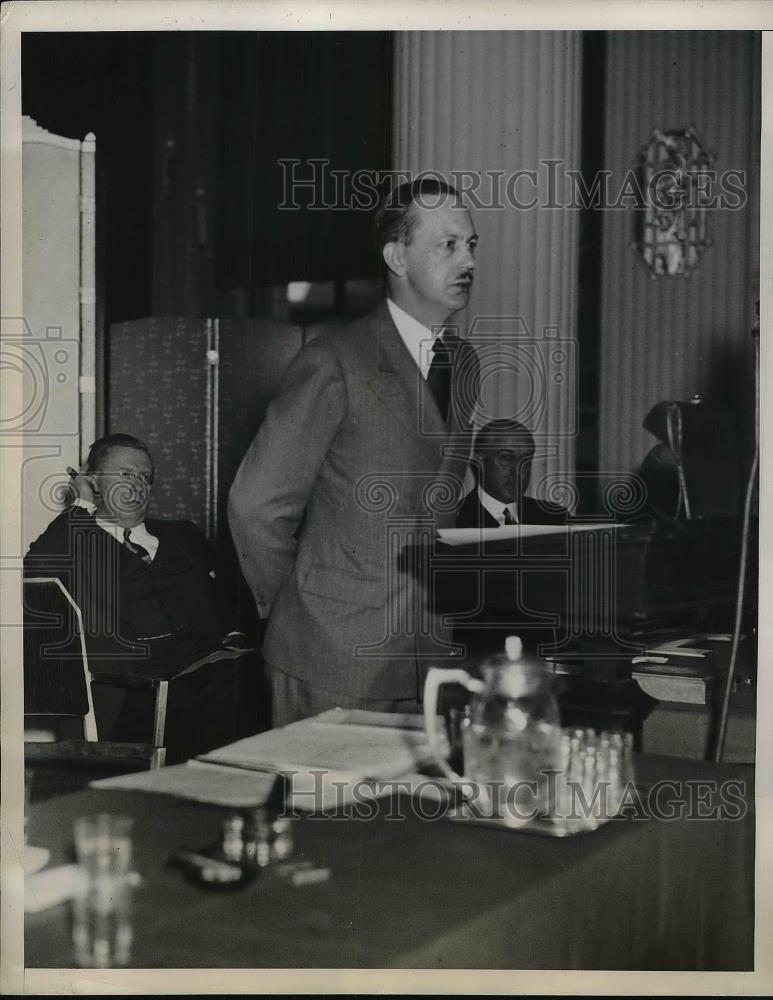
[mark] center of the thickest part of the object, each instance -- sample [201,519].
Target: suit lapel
[171,553]
[472,513]
[100,567]
[166,540]
[401,389]
[464,383]
[486,520]
[458,428]
[399,386]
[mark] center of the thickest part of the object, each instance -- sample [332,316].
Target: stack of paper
[325,757]
[220,786]
[347,742]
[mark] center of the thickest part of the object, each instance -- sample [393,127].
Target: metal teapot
[511,736]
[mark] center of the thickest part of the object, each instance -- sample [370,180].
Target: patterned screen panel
[158,392]
[254,354]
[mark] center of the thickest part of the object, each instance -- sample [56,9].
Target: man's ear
[394,258]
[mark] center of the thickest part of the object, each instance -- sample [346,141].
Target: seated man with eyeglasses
[502,457]
[146,592]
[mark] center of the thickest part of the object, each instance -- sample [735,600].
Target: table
[412,893]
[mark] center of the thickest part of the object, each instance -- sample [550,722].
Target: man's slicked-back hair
[395,221]
[99,451]
[495,431]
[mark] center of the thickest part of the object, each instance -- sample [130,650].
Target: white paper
[327,759]
[220,786]
[363,717]
[336,744]
[469,536]
[311,790]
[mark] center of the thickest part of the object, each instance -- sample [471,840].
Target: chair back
[57,679]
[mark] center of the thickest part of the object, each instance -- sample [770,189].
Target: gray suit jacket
[355,442]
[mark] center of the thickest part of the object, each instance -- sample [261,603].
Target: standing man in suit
[367,441]
[146,594]
[502,457]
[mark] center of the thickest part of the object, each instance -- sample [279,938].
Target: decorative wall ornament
[676,180]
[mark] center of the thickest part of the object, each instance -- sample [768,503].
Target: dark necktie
[509,519]
[439,376]
[138,550]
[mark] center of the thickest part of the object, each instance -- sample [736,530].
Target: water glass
[260,841]
[595,771]
[102,928]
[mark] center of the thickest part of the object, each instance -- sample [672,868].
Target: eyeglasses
[129,476]
[505,457]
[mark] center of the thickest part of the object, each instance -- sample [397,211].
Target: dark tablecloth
[411,893]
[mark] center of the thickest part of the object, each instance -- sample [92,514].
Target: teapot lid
[514,655]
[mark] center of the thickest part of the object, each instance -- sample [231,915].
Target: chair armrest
[146,682]
[117,679]
[216,656]
[74,750]
[161,684]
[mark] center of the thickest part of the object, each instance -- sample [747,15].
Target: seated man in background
[146,593]
[502,457]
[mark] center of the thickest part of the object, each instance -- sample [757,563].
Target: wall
[239,116]
[56,344]
[481,101]
[77,82]
[668,338]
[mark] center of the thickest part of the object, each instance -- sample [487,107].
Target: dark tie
[439,376]
[509,519]
[138,550]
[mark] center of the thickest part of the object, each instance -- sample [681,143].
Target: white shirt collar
[139,534]
[418,338]
[496,507]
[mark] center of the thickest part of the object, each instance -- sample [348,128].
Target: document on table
[325,758]
[342,741]
[311,790]
[216,785]
[468,536]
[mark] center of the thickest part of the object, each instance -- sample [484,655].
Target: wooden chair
[57,685]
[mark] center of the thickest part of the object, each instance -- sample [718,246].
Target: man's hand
[82,485]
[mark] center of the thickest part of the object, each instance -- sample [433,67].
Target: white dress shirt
[419,339]
[496,507]
[139,534]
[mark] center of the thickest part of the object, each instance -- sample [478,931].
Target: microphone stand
[722,731]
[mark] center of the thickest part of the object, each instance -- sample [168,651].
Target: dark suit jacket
[472,513]
[123,599]
[354,439]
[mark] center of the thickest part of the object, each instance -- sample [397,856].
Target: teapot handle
[436,677]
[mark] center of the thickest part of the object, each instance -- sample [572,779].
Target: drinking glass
[102,928]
